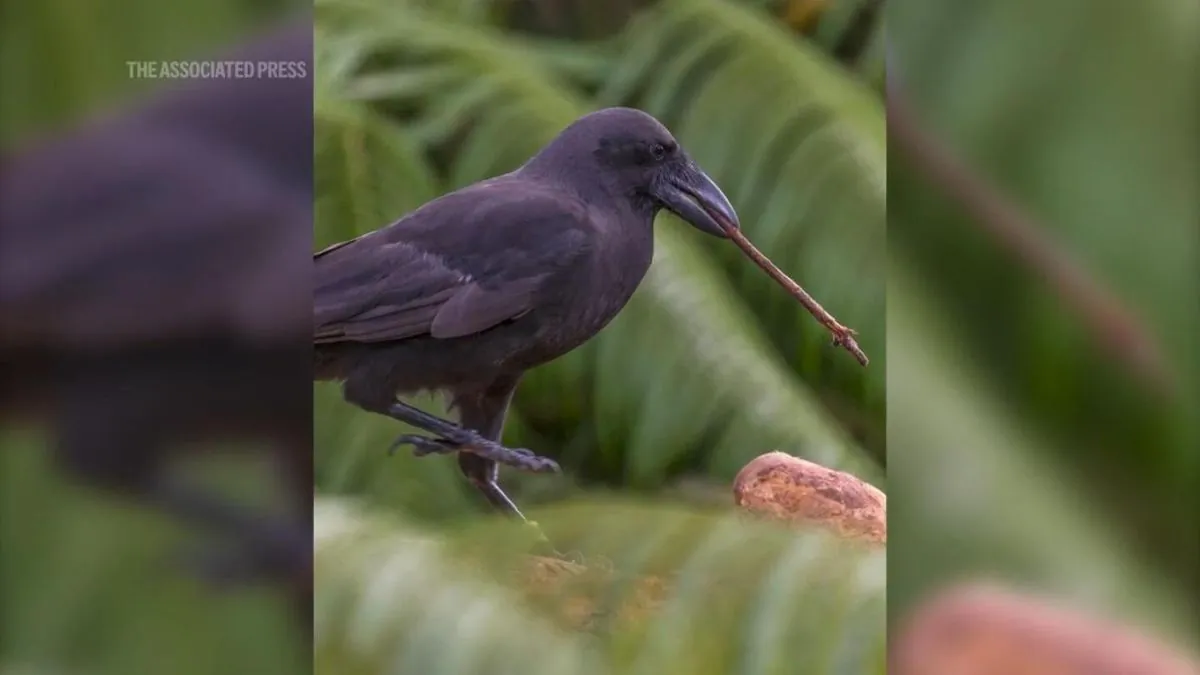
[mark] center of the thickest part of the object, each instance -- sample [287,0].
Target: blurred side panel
[1043,305]
[155,233]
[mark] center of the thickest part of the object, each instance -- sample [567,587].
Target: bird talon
[396,444]
[545,465]
[422,445]
[424,450]
[527,462]
[518,458]
[461,438]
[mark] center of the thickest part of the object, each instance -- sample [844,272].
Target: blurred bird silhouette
[155,291]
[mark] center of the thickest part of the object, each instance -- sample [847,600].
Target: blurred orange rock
[782,487]
[980,630]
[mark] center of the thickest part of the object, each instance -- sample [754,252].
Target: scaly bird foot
[468,441]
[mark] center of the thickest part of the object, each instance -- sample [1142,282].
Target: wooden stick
[842,336]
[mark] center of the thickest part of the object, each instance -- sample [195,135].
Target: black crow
[472,289]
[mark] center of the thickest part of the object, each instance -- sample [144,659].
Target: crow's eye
[658,151]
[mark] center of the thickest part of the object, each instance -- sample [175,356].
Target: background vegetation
[86,583]
[1022,444]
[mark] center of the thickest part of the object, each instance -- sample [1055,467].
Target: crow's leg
[455,438]
[484,412]
[450,438]
[484,474]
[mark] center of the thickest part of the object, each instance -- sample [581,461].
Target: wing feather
[456,267]
[475,309]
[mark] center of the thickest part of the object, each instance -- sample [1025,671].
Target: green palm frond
[740,597]
[837,21]
[89,584]
[1092,134]
[370,171]
[393,600]
[713,383]
[61,61]
[799,147]
[964,454]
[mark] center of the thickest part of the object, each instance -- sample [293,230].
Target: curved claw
[519,458]
[422,445]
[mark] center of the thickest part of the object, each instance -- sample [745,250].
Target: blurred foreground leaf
[977,495]
[742,597]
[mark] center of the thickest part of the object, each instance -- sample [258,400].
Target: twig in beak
[842,336]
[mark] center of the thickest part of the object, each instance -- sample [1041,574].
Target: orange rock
[782,487]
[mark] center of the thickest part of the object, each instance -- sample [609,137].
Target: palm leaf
[800,148]
[1079,148]
[964,455]
[392,600]
[366,170]
[62,61]
[88,582]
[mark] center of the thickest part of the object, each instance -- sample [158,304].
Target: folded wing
[457,267]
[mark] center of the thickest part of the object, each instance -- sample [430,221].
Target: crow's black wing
[457,266]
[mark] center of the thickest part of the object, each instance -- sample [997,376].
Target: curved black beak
[694,197]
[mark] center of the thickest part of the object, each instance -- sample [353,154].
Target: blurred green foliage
[741,597]
[86,581]
[89,586]
[710,364]
[1018,447]
[63,61]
